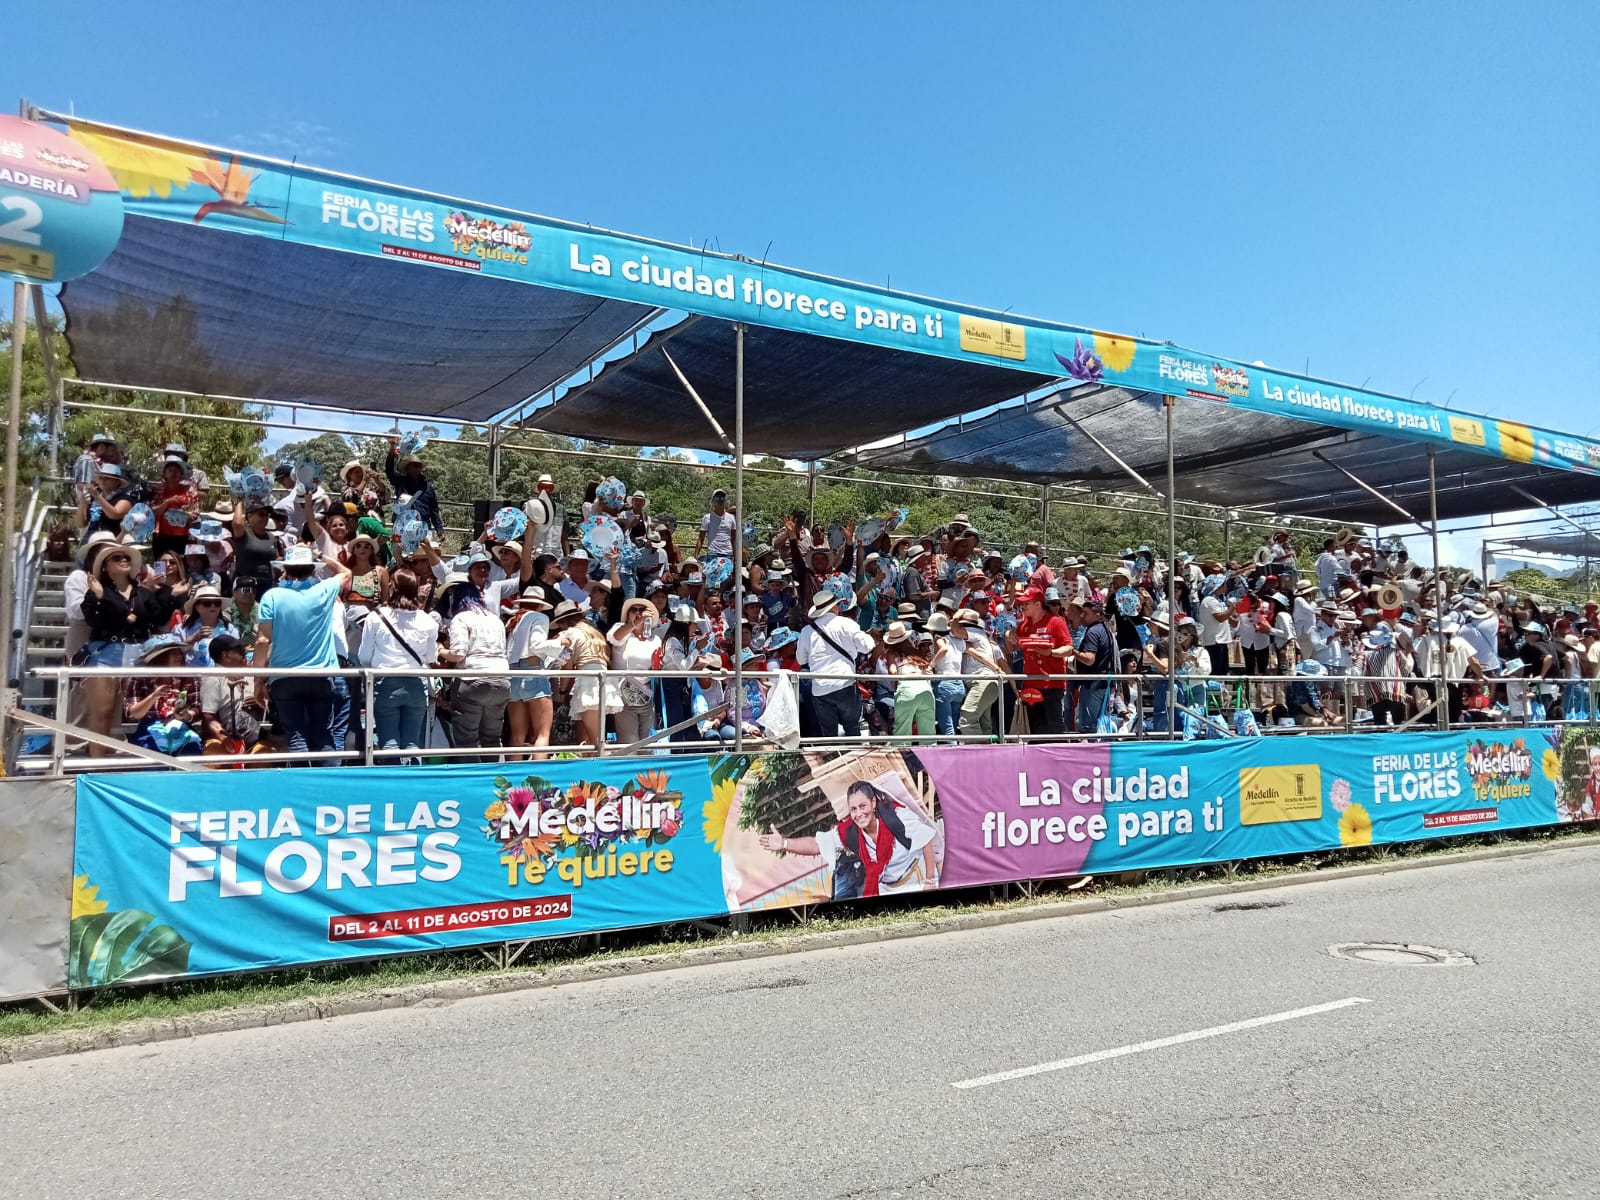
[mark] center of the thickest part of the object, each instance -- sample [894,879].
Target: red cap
[1030,595]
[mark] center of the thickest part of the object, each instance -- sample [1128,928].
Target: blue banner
[178,181]
[1030,812]
[268,868]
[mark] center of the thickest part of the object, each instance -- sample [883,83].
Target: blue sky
[1397,194]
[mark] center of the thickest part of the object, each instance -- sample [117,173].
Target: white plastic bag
[781,719]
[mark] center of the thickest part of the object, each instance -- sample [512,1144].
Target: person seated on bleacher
[163,710]
[230,713]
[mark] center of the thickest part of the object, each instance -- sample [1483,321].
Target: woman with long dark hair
[402,636]
[477,643]
[881,846]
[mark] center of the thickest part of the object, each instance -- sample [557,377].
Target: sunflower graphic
[716,812]
[1115,352]
[495,811]
[86,900]
[1550,763]
[1355,827]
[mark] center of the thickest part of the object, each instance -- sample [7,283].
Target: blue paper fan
[410,444]
[612,493]
[599,535]
[839,584]
[413,532]
[719,569]
[508,524]
[307,472]
[141,519]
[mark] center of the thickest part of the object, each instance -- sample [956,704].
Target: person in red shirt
[176,503]
[1046,643]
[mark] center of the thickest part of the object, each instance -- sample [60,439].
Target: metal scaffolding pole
[737,707]
[9,525]
[1442,703]
[1172,578]
[57,422]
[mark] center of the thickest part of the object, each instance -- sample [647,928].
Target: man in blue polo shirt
[295,629]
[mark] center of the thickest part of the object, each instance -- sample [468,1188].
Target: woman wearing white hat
[530,649]
[914,709]
[594,697]
[633,648]
[123,610]
[400,635]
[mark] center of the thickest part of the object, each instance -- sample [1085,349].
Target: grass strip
[188,997]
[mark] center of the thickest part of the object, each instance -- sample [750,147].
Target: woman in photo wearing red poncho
[883,845]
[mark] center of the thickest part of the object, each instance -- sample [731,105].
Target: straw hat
[350,467]
[938,623]
[365,539]
[825,602]
[162,643]
[966,616]
[563,611]
[533,598]
[204,592]
[135,555]
[897,632]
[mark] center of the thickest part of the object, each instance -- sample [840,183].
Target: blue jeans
[400,712]
[948,697]
[339,722]
[305,712]
[1091,704]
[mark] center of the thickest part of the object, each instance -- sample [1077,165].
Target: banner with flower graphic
[1030,812]
[270,868]
[169,180]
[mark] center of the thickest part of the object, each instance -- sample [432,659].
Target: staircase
[45,647]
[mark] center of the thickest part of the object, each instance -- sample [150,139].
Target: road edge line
[145,1031]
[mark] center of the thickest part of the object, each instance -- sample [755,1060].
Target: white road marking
[1179,1039]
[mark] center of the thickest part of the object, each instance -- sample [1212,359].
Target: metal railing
[1138,705]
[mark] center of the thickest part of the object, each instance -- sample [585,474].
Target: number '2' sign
[60,209]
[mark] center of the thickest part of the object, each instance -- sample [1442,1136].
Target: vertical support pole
[58,743]
[1172,578]
[368,743]
[1443,702]
[1483,562]
[52,371]
[738,538]
[1044,520]
[811,493]
[494,466]
[1227,538]
[9,523]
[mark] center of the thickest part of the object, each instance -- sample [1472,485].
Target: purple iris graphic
[1083,364]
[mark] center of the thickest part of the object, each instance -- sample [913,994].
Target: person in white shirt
[574,584]
[894,843]
[399,636]
[1459,660]
[477,643]
[978,657]
[633,648]
[829,647]
[717,528]
[1218,623]
[293,508]
[530,708]
[1304,618]
[1480,629]
[1328,569]
[546,520]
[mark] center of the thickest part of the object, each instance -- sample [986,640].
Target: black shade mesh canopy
[1565,545]
[805,396]
[1224,456]
[205,310]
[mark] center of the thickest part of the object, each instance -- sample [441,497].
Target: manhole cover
[1400,954]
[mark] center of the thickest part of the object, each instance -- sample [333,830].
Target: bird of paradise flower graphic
[232,183]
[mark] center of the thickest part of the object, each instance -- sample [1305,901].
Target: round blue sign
[60,209]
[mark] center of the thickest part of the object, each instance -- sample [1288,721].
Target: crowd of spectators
[559,637]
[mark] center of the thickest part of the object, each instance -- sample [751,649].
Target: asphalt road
[831,1074]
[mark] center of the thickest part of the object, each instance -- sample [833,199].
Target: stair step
[49,614]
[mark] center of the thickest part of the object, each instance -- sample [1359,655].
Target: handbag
[635,694]
[1244,720]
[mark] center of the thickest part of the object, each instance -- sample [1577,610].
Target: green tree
[144,422]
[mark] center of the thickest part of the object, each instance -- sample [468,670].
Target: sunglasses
[208,603]
[119,558]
